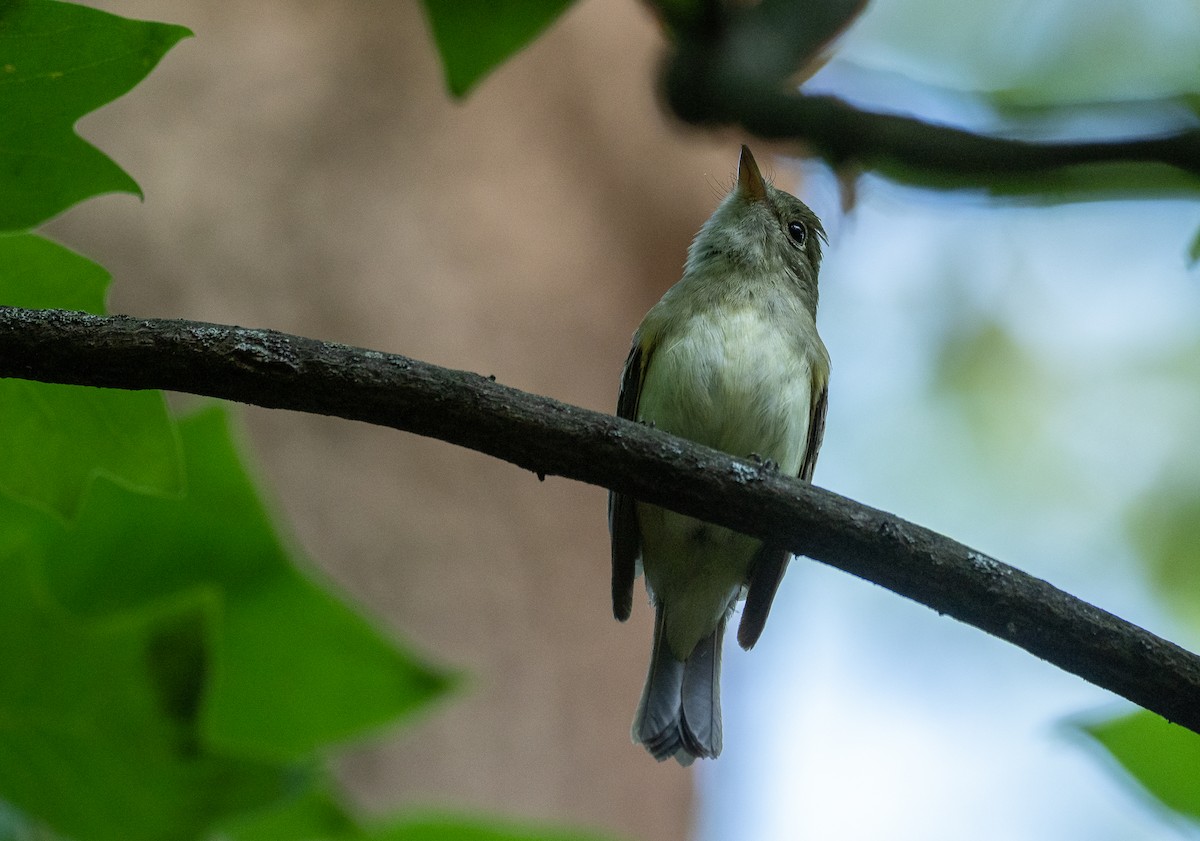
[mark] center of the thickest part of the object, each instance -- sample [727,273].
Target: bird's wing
[816,429]
[771,562]
[622,508]
[766,571]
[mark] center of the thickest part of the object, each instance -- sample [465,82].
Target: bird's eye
[797,232]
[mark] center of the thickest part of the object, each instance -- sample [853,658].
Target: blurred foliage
[1164,526]
[1036,52]
[1092,182]
[1057,70]
[167,663]
[281,666]
[1194,251]
[316,812]
[172,669]
[320,815]
[998,386]
[473,38]
[94,740]
[452,828]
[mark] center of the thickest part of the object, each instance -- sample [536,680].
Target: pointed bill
[750,182]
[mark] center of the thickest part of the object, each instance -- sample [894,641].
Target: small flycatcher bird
[730,358]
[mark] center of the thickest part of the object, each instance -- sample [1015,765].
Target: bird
[730,358]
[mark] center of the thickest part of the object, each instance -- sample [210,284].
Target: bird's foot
[765,463]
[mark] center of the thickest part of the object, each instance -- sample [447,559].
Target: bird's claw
[764,463]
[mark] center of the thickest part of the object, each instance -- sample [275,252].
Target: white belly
[736,385]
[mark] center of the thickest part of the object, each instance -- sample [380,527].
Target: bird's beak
[750,184]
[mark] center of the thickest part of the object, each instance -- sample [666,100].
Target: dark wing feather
[771,562]
[816,432]
[766,572]
[622,509]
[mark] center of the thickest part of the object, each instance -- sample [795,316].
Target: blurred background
[1020,375]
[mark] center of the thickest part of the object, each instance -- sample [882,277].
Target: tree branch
[841,132]
[733,65]
[280,371]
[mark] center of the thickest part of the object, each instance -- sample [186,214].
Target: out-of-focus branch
[281,371]
[735,65]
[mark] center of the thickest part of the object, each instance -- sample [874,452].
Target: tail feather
[701,700]
[656,724]
[769,565]
[680,711]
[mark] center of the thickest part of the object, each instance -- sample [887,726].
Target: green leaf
[302,669]
[436,827]
[292,667]
[58,438]
[86,744]
[55,439]
[1162,757]
[36,273]
[58,62]
[314,813]
[475,36]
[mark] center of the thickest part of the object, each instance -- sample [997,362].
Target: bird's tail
[680,711]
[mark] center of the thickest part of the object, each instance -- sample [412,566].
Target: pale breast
[739,384]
